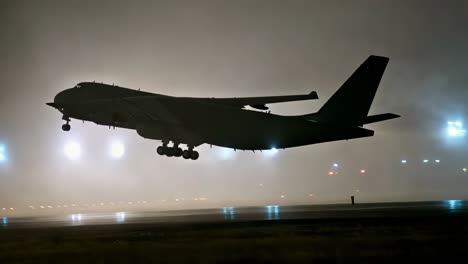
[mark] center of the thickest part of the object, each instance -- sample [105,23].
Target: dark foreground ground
[419,236]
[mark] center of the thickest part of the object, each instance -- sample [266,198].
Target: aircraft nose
[62,97]
[54,105]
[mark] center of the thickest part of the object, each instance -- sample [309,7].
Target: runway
[239,214]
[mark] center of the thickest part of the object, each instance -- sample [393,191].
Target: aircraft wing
[261,102]
[166,108]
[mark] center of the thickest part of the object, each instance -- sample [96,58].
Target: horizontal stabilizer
[378,118]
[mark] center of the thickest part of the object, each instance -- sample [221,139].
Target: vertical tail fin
[351,103]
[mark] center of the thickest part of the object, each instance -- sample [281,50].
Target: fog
[232,49]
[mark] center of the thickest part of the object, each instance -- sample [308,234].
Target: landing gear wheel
[161,150]
[186,154]
[194,155]
[170,152]
[178,152]
[66,127]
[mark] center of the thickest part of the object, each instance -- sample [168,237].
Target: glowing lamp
[117,150]
[455,129]
[72,150]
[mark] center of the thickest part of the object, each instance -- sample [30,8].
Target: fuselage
[194,121]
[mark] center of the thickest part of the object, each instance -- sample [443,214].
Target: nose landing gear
[66,126]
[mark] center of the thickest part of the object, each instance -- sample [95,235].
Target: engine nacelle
[152,131]
[174,133]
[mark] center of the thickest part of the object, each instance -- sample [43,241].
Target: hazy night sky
[227,49]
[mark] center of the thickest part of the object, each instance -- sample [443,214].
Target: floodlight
[117,150]
[72,150]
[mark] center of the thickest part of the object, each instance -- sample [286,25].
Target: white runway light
[117,150]
[72,150]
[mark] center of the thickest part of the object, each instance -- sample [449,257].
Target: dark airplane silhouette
[224,121]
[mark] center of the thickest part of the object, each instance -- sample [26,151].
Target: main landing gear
[176,151]
[66,126]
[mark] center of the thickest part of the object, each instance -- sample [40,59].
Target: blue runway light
[228,213]
[120,217]
[454,204]
[272,212]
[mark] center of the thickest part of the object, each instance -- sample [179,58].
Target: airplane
[226,122]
